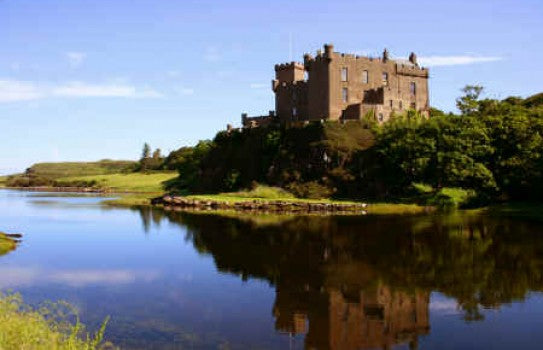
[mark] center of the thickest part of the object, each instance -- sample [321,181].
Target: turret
[289,72]
[386,55]
[413,58]
[328,50]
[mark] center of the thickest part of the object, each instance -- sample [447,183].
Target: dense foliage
[493,149]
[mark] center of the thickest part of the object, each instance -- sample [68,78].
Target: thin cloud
[75,59]
[14,91]
[434,61]
[78,89]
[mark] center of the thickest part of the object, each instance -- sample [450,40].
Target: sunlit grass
[261,191]
[65,169]
[130,200]
[47,327]
[130,182]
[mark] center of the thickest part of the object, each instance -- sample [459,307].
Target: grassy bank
[22,327]
[130,182]
[271,194]
[3,181]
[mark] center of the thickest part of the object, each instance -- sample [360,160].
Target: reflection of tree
[358,282]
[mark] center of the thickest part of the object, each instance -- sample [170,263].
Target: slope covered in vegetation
[492,150]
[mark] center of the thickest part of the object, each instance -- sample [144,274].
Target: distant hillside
[65,169]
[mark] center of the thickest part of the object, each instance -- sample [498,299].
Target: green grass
[23,327]
[129,200]
[132,182]
[233,197]
[261,191]
[3,181]
[65,169]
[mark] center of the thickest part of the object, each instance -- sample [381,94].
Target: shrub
[312,190]
[262,191]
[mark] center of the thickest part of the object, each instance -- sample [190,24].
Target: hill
[65,169]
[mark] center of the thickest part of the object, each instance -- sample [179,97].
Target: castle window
[413,88]
[344,95]
[365,77]
[401,105]
[391,104]
[381,117]
[344,74]
[385,78]
[294,111]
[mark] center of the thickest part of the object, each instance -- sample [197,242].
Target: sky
[84,80]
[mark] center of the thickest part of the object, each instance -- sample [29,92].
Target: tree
[469,103]
[157,154]
[145,157]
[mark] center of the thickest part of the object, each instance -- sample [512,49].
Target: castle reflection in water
[376,318]
[364,282]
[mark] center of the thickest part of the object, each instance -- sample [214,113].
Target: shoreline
[255,205]
[203,203]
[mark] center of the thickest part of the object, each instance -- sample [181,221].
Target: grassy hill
[110,175]
[124,182]
[64,169]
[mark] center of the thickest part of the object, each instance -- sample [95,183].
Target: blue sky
[87,80]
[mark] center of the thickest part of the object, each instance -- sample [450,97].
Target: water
[173,280]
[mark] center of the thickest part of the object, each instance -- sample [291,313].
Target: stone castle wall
[337,86]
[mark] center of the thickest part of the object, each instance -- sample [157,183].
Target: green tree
[145,157]
[468,104]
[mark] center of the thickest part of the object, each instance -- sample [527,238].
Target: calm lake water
[173,280]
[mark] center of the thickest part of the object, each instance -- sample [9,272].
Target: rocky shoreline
[271,206]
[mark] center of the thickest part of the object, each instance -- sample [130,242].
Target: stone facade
[337,86]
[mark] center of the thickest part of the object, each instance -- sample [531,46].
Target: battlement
[289,66]
[339,86]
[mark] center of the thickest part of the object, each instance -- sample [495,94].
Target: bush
[262,191]
[452,198]
[311,190]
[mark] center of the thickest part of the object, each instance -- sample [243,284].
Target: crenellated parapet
[289,66]
[331,85]
[412,70]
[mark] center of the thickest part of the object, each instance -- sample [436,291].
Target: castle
[337,86]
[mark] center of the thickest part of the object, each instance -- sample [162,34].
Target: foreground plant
[53,326]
